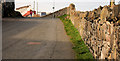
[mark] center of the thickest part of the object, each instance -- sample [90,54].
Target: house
[25,11]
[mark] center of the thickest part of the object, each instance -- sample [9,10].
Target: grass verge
[81,50]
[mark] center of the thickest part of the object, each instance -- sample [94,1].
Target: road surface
[25,38]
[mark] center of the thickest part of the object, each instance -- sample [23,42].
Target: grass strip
[81,50]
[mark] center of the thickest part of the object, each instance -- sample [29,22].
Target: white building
[23,10]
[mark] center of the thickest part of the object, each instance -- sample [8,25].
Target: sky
[46,5]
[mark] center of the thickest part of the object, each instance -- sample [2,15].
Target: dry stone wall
[100,30]
[56,13]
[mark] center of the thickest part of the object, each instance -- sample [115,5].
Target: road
[25,38]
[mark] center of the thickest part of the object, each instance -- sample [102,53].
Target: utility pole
[37,7]
[34,6]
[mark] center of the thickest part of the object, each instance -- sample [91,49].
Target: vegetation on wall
[81,50]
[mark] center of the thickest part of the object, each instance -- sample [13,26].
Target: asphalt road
[35,39]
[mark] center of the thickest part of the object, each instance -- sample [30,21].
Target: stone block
[105,13]
[116,10]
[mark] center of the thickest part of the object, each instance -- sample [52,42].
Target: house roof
[23,7]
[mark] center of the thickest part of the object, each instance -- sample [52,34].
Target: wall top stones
[72,6]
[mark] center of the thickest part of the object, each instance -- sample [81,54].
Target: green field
[81,50]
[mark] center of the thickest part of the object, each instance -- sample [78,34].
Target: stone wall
[8,10]
[56,13]
[100,30]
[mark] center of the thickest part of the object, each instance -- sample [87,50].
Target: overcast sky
[81,5]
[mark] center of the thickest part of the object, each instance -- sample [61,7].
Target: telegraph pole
[37,7]
[34,6]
